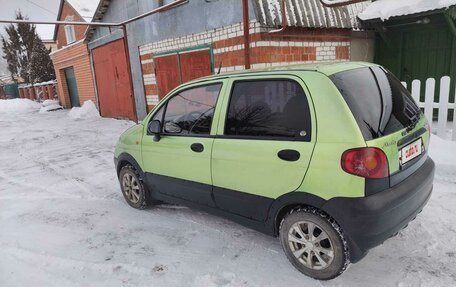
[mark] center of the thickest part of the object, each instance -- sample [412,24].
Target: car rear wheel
[132,187]
[314,243]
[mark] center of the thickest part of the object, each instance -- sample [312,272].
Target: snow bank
[87,111]
[49,102]
[385,9]
[16,106]
[50,108]
[442,151]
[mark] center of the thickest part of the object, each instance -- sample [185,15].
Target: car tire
[314,243]
[132,187]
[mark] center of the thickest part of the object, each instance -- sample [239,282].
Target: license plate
[411,151]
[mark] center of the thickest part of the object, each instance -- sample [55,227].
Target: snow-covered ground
[64,222]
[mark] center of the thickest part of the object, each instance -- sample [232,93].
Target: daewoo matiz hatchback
[330,158]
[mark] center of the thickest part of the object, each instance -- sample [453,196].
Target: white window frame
[69,31]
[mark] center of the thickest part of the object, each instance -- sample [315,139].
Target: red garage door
[173,69]
[167,73]
[113,81]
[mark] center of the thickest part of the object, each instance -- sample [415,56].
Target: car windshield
[379,102]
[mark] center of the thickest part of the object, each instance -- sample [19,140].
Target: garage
[113,81]
[173,69]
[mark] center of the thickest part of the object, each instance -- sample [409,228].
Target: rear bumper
[369,221]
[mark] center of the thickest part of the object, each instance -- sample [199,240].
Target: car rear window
[379,102]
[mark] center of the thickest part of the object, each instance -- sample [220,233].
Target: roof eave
[409,16]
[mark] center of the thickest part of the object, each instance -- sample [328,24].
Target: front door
[263,146]
[179,164]
[72,87]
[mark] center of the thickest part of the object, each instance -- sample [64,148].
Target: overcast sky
[35,10]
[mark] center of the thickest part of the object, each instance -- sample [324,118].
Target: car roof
[327,69]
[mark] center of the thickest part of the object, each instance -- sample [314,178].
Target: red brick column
[50,90]
[44,92]
[32,93]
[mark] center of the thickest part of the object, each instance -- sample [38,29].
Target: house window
[69,31]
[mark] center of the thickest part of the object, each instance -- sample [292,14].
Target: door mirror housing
[154,128]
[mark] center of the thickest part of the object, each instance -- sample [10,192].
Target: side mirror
[154,128]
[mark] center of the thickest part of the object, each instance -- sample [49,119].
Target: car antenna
[220,68]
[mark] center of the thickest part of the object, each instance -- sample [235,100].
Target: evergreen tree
[41,68]
[26,54]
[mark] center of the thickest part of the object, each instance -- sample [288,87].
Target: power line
[44,8]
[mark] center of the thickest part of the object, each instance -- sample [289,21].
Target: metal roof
[309,14]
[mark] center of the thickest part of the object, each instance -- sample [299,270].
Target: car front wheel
[314,243]
[132,187]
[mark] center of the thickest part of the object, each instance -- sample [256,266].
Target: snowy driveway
[63,222]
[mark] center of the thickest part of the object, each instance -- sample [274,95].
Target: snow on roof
[308,13]
[85,8]
[385,9]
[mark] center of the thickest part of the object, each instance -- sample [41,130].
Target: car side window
[268,109]
[190,112]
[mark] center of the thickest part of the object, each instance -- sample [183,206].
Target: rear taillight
[368,162]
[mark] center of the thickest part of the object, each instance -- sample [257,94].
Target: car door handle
[197,147]
[289,155]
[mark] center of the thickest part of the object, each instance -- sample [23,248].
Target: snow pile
[87,111]
[16,106]
[49,106]
[385,9]
[49,102]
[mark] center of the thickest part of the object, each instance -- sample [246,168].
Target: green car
[330,158]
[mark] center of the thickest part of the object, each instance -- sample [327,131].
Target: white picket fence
[443,105]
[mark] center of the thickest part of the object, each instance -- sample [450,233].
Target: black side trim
[185,189]
[244,204]
[372,186]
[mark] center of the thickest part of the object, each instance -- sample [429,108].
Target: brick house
[199,37]
[71,59]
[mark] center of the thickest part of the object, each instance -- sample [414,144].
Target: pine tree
[26,54]
[41,68]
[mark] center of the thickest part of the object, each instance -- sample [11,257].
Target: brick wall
[76,56]
[295,45]
[79,31]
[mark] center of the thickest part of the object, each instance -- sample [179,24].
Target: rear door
[264,143]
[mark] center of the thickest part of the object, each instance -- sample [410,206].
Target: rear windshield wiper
[372,131]
[413,121]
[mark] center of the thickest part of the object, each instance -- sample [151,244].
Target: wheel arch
[124,159]
[288,202]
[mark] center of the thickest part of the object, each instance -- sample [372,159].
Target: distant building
[71,59]
[50,45]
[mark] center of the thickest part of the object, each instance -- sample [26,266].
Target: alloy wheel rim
[311,245]
[131,188]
